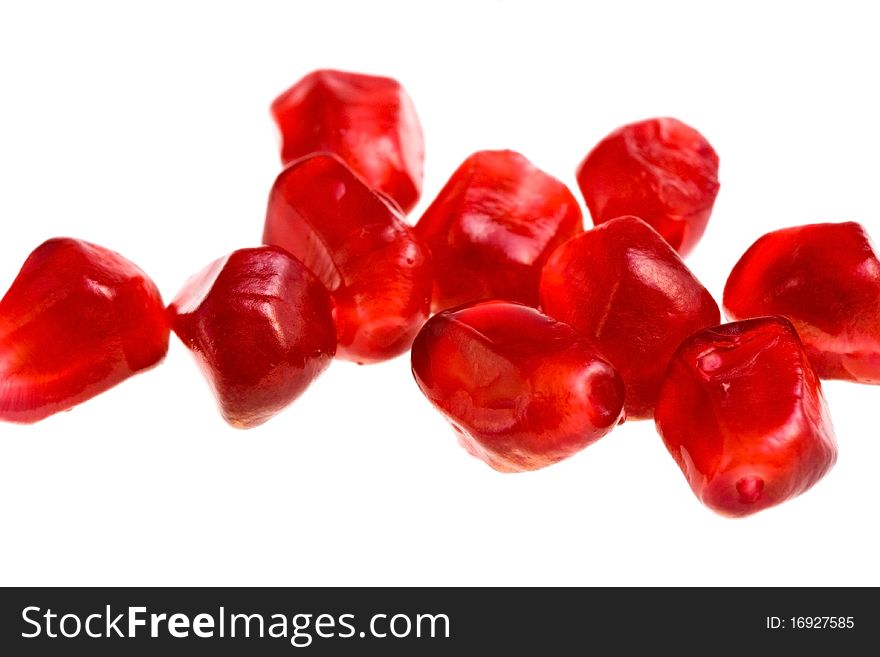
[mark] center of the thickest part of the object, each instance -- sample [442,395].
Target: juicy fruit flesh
[376,269]
[623,287]
[826,279]
[492,227]
[260,326]
[742,413]
[522,390]
[660,170]
[77,320]
[368,121]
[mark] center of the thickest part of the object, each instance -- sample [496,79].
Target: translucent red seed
[623,287]
[357,243]
[260,326]
[826,279]
[521,389]
[741,411]
[367,120]
[77,320]
[492,227]
[660,170]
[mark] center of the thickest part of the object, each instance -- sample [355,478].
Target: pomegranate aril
[492,227]
[660,170]
[742,413]
[522,390]
[622,286]
[260,326]
[376,269]
[826,279]
[77,320]
[368,121]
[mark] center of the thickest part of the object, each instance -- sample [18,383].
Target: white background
[146,129]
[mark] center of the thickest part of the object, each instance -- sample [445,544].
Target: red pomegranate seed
[622,286]
[826,279]
[660,170]
[77,320]
[260,326]
[522,390]
[369,121]
[493,226]
[356,242]
[742,413]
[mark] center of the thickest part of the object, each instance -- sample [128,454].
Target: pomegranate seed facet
[77,320]
[493,226]
[826,279]
[521,389]
[742,413]
[260,326]
[660,170]
[355,241]
[368,121]
[622,286]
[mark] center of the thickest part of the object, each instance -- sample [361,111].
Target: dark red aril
[260,326]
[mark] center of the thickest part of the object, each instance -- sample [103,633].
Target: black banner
[436,621]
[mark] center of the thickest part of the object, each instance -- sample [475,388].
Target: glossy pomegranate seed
[493,226]
[522,390]
[260,326]
[357,243]
[742,413]
[77,320]
[622,286]
[826,279]
[659,170]
[368,121]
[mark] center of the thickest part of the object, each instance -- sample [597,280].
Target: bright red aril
[622,286]
[367,120]
[357,243]
[492,227]
[77,320]
[260,326]
[826,279]
[522,390]
[660,170]
[742,413]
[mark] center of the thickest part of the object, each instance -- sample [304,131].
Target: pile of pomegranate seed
[545,337]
